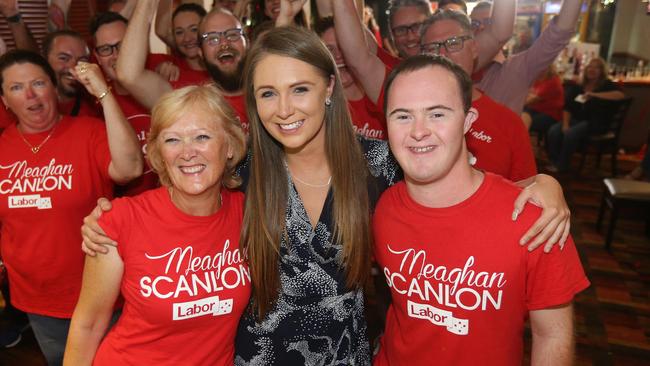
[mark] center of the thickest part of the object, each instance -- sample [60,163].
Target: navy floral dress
[316,320]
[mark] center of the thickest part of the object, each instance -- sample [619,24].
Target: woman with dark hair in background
[180,31]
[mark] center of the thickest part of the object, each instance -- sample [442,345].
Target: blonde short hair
[208,98]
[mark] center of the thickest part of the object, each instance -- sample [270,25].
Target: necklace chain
[329,180]
[36,149]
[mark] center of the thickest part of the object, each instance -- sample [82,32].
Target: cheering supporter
[223,45]
[584,113]
[450,289]
[53,167]
[64,49]
[176,311]
[544,103]
[108,31]
[180,31]
[368,120]
[507,80]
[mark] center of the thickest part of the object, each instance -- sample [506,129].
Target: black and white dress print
[316,320]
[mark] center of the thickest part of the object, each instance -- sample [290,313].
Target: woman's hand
[168,70]
[554,223]
[94,238]
[91,77]
[288,11]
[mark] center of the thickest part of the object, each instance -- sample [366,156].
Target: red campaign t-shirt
[238,103]
[185,282]
[461,285]
[551,94]
[367,119]
[43,199]
[140,119]
[6,118]
[499,141]
[187,76]
[87,107]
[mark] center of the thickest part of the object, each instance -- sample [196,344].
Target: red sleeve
[523,160]
[6,118]
[115,222]
[554,278]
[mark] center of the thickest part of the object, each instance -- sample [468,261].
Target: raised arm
[569,13]
[164,23]
[498,33]
[99,290]
[365,65]
[552,331]
[144,85]
[126,157]
[22,36]
[288,11]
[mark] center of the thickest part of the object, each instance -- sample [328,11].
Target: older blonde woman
[178,265]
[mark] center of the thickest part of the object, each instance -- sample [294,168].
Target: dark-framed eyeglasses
[213,38]
[478,24]
[453,44]
[403,30]
[107,49]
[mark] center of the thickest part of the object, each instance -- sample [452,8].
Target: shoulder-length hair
[604,72]
[209,99]
[266,196]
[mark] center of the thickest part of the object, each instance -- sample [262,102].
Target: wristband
[15,18]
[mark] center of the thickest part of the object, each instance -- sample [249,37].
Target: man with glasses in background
[223,48]
[507,80]
[497,142]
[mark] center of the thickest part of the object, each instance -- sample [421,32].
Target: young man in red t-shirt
[461,285]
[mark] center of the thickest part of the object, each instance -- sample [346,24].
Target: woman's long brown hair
[267,191]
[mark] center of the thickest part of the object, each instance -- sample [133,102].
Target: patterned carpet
[612,316]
